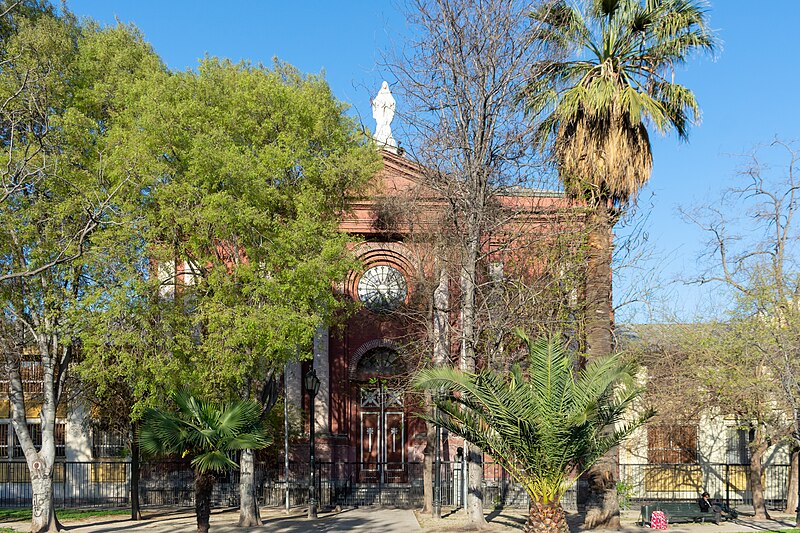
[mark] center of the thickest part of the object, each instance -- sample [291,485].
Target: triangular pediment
[398,175]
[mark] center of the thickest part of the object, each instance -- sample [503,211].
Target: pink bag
[658,520]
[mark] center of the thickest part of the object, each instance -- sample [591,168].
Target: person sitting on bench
[707,506]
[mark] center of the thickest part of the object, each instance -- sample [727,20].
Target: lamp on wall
[311,382]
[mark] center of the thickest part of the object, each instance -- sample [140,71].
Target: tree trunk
[546,518]
[40,463]
[599,323]
[757,450]
[249,514]
[440,333]
[602,506]
[136,511]
[472,454]
[792,488]
[427,466]
[203,485]
[474,484]
[44,516]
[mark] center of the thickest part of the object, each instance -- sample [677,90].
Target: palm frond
[206,431]
[213,461]
[594,106]
[541,422]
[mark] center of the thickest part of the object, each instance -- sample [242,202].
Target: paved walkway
[374,520]
[364,520]
[778,522]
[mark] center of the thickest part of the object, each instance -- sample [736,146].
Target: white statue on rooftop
[383,106]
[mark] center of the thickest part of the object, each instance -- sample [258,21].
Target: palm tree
[595,105]
[545,423]
[208,433]
[615,79]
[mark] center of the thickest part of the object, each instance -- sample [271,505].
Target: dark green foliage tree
[209,433]
[543,421]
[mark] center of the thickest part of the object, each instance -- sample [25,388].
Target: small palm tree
[208,433]
[545,424]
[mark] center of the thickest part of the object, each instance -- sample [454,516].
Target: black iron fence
[393,484]
[684,482]
[347,484]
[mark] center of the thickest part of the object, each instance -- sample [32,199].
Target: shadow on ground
[352,520]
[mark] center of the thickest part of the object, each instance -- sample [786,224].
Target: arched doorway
[381,434]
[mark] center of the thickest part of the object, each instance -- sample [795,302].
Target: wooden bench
[676,512]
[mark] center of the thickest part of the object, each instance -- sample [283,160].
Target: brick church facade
[364,413]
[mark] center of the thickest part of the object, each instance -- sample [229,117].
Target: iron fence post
[728,485]
[464,486]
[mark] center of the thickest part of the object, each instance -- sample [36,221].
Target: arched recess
[369,347]
[393,254]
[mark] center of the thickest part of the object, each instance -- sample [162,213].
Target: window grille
[30,372]
[35,432]
[738,446]
[107,443]
[4,436]
[672,444]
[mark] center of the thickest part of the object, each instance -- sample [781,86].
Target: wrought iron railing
[685,482]
[348,484]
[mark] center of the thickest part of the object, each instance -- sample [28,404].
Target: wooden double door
[382,434]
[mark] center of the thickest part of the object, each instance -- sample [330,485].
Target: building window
[738,446]
[382,288]
[4,436]
[107,443]
[30,373]
[35,432]
[672,444]
[379,362]
[166,279]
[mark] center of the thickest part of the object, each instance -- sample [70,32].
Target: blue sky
[748,93]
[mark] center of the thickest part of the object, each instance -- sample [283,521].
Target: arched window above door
[379,362]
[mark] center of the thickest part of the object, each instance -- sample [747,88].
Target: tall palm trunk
[598,319]
[602,506]
[546,518]
[203,486]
